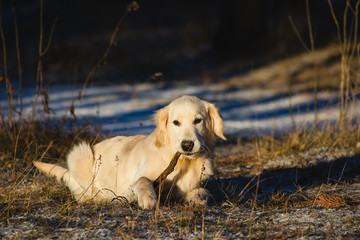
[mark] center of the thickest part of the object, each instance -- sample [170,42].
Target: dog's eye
[176,123]
[197,121]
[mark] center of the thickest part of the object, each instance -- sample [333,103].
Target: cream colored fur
[127,166]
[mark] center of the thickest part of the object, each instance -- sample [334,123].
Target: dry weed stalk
[11,92]
[9,89]
[19,65]
[40,71]
[311,50]
[313,55]
[133,6]
[348,45]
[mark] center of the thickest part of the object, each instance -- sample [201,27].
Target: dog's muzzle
[187,146]
[189,149]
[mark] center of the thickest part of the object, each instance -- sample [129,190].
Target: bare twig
[6,78]
[313,55]
[133,6]
[298,35]
[158,182]
[19,65]
[310,50]
[168,170]
[40,71]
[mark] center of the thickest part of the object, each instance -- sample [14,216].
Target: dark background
[202,41]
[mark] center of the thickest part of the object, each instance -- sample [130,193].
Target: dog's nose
[187,145]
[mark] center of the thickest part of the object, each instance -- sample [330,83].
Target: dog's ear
[161,118]
[216,123]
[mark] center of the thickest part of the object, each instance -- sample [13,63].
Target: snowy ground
[127,110]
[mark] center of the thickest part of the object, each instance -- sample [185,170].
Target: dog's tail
[80,162]
[53,170]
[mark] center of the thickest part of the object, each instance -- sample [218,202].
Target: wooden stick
[168,170]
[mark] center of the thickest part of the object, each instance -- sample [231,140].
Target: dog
[127,166]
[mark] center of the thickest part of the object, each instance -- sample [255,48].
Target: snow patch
[128,110]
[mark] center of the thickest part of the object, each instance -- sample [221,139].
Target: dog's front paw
[147,201]
[198,197]
[145,193]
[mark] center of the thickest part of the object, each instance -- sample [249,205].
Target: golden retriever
[127,166]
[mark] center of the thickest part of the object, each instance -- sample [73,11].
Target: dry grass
[330,201]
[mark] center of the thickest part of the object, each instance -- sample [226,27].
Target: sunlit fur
[127,166]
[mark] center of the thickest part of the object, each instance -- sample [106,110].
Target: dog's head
[189,124]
